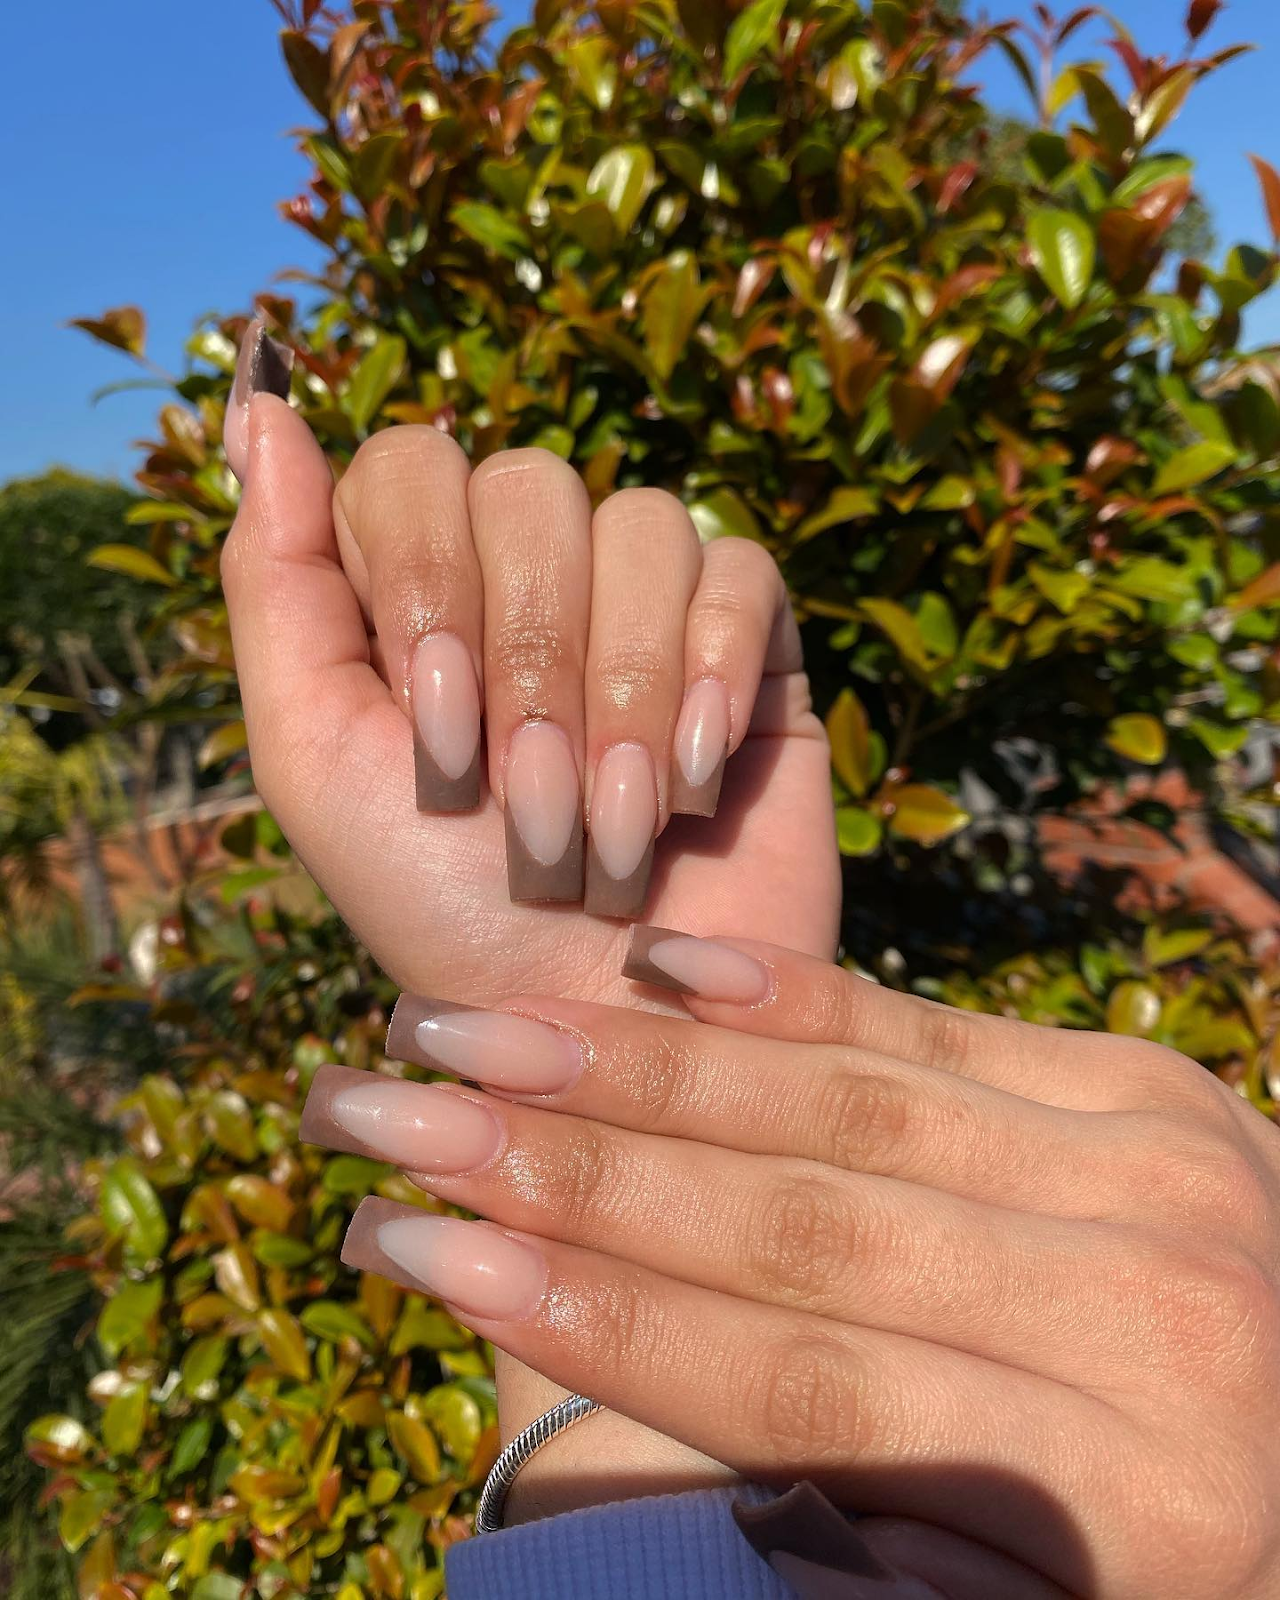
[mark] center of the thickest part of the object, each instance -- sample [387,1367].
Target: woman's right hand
[596,647]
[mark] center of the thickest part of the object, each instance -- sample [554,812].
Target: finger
[851,1109]
[263,366]
[873,1419]
[957,1568]
[645,565]
[297,631]
[739,613]
[761,988]
[531,521]
[403,505]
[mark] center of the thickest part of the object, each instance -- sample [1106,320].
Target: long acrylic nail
[543,814]
[415,1125]
[485,1273]
[495,1048]
[445,699]
[701,967]
[264,366]
[701,746]
[624,815]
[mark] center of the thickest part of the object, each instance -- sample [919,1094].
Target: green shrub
[1022,486]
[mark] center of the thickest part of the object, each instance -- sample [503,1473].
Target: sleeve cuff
[685,1544]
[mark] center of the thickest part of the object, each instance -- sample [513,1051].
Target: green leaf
[1196,464]
[491,228]
[670,309]
[192,1445]
[750,31]
[722,513]
[373,380]
[902,628]
[858,831]
[134,563]
[455,1417]
[81,1515]
[218,1586]
[353,1175]
[1218,740]
[1138,737]
[127,1318]
[125,1419]
[330,1319]
[131,1209]
[1134,1009]
[1162,948]
[622,178]
[848,503]
[593,60]
[427,1327]
[1065,590]
[416,1445]
[58,1441]
[201,1365]
[1063,250]
[849,734]
[282,1339]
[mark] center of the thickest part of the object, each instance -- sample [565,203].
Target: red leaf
[1163,203]
[1139,70]
[1075,20]
[1190,281]
[956,183]
[964,282]
[1269,178]
[752,282]
[1200,13]
[1108,459]
[123,328]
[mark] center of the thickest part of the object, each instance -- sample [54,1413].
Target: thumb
[262,367]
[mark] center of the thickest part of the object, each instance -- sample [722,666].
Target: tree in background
[1022,484]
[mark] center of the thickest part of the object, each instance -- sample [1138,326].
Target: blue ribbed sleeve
[675,1544]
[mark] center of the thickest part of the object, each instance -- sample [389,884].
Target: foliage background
[996,426]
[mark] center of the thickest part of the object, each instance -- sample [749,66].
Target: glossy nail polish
[483,1272]
[700,750]
[543,815]
[418,1126]
[624,815]
[495,1048]
[701,967]
[263,366]
[445,700]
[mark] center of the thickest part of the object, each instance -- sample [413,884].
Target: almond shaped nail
[543,801]
[496,1048]
[700,750]
[445,701]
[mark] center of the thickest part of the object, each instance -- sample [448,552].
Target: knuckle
[529,469]
[1211,1316]
[409,449]
[946,1037]
[585,1183]
[629,674]
[640,514]
[612,1326]
[803,1241]
[866,1117]
[737,558]
[1160,1069]
[809,1415]
[525,653]
[835,1007]
[654,1081]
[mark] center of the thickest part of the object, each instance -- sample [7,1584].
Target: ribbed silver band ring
[501,1475]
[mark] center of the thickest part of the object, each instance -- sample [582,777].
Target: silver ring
[493,1497]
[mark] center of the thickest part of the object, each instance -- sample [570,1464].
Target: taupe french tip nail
[696,799]
[444,699]
[616,897]
[434,790]
[811,1545]
[704,968]
[530,880]
[409,1011]
[265,366]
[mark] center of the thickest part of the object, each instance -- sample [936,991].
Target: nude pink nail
[624,817]
[701,745]
[417,1126]
[544,814]
[496,1048]
[700,967]
[445,700]
[485,1273]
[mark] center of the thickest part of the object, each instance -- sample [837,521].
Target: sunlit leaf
[925,814]
[1194,465]
[1063,250]
[134,563]
[750,32]
[1138,737]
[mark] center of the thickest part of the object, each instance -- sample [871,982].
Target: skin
[1034,1326]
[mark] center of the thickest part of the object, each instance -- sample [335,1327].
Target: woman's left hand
[1017,1286]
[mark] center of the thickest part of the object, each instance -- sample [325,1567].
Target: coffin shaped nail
[496,1048]
[484,1272]
[263,366]
[700,749]
[624,815]
[418,1126]
[702,967]
[543,815]
[445,700]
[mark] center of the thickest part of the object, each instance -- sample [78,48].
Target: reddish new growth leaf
[1200,13]
[1269,178]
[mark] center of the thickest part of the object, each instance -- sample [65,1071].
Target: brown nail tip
[616,897]
[529,880]
[316,1124]
[637,965]
[435,791]
[402,1037]
[361,1250]
[696,800]
[269,368]
[803,1522]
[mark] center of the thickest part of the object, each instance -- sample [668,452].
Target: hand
[330,598]
[1013,1291]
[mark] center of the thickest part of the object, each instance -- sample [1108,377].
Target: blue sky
[149,171]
